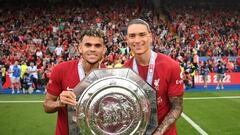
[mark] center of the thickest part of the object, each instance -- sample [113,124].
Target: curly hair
[92,31]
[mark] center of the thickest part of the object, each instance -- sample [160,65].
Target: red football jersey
[63,75]
[167,81]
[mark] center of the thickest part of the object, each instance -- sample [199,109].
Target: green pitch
[214,116]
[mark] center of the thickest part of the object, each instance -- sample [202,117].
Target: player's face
[139,38]
[92,49]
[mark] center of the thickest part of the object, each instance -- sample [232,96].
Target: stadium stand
[47,34]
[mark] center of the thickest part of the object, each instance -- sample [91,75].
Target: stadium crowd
[36,38]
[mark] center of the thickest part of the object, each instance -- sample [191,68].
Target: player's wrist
[60,104]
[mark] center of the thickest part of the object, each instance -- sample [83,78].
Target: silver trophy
[113,102]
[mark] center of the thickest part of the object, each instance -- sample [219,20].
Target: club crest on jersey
[156,83]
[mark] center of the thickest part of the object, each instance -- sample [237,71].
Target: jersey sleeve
[175,87]
[54,86]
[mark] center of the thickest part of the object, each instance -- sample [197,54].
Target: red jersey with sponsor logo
[167,82]
[63,75]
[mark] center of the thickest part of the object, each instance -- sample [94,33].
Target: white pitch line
[227,97]
[193,124]
[33,101]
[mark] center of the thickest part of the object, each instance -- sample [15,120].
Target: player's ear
[80,48]
[104,50]
[150,36]
[127,40]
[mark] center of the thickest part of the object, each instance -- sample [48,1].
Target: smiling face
[139,38]
[92,49]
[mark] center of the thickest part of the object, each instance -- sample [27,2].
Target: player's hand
[67,98]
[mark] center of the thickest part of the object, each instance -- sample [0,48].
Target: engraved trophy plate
[113,101]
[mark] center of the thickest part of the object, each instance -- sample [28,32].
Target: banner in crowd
[232,58]
[232,78]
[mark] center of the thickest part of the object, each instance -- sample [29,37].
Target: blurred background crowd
[37,35]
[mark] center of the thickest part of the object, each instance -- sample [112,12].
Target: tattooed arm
[172,116]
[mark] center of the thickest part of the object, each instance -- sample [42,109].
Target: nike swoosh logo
[69,89]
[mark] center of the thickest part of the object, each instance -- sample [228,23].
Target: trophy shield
[113,102]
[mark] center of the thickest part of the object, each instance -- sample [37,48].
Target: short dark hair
[139,21]
[92,31]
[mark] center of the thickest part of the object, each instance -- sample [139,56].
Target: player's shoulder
[66,64]
[166,60]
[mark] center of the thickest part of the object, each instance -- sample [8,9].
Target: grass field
[215,116]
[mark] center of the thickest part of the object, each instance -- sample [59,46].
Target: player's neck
[87,67]
[143,59]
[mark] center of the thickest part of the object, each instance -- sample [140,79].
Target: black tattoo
[173,115]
